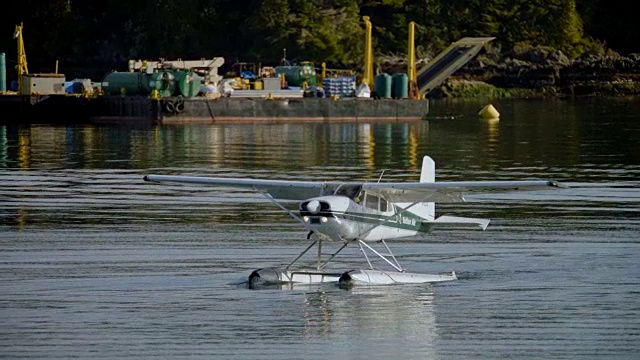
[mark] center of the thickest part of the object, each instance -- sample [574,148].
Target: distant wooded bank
[544,72]
[549,45]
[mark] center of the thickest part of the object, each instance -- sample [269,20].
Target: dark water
[96,263]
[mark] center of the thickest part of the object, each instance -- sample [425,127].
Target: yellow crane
[368,54]
[22,57]
[411,63]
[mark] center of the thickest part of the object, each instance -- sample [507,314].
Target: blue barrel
[400,86]
[382,85]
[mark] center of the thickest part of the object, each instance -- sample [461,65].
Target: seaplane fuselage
[342,218]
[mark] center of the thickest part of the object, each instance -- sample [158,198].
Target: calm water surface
[96,263]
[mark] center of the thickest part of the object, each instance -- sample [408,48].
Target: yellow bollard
[489,112]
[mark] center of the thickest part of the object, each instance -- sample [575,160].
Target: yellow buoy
[489,112]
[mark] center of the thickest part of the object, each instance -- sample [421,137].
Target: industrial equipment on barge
[179,91]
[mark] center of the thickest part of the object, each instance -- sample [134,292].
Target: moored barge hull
[142,110]
[178,110]
[298,109]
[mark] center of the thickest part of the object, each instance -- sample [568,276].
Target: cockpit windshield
[350,191]
[359,196]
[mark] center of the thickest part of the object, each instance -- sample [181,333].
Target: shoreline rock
[544,72]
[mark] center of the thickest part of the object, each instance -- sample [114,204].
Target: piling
[3,73]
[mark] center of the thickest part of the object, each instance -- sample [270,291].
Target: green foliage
[107,33]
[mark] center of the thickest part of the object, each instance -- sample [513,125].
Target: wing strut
[299,256]
[320,264]
[332,256]
[395,264]
[270,198]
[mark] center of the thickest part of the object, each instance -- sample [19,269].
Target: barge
[143,110]
[172,110]
[170,92]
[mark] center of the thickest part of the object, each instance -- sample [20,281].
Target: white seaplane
[365,214]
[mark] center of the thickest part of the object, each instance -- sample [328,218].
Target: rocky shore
[544,72]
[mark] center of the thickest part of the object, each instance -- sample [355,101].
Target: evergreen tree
[107,33]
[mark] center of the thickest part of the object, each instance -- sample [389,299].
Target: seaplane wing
[439,192]
[452,191]
[278,189]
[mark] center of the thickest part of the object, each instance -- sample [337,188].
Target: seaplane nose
[313,206]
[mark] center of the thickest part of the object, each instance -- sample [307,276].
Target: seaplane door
[383,222]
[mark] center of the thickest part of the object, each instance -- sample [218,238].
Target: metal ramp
[447,62]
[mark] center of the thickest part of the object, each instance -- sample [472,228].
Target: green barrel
[124,83]
[3,72]
[164,81]
[139,83]
[188,83]
[400,86]
[382,85]
[296,75]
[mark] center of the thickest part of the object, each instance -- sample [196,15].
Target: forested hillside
[104,34]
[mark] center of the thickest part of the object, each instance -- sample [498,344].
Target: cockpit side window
[371,201]
[383,204]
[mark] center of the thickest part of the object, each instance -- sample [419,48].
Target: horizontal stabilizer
[460,222]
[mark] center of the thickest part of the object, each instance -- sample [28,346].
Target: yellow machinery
[37,83]
[22,57]
[411,63]
[368,54]
[334,72]
[429,76]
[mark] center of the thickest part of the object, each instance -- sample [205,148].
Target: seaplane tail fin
[426,210]
[460,222]
[428,174]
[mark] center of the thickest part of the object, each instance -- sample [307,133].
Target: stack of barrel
[343,86]
[392,87]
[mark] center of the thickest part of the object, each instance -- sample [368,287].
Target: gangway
[447,62]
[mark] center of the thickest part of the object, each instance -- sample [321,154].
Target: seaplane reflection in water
[365,214]
[407,319]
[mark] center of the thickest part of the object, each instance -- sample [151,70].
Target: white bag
[363,91]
